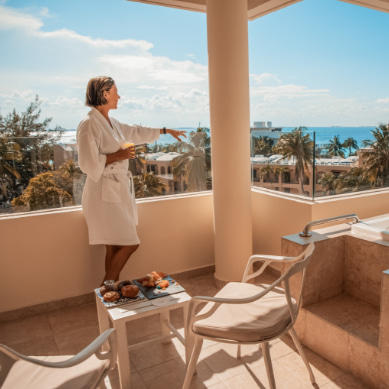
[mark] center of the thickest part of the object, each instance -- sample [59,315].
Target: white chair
[85,370]
[244,313]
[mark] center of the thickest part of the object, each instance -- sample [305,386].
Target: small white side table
[119,316]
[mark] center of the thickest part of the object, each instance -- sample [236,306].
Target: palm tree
[327,181]
[283,171]
[267,171]
[195,162]
[136,166]
[336,147]
[148,185]
[263,145]
[352,180]
[377,161]
[350,143]
[298,146]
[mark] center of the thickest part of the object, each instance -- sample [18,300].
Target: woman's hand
[121,155]
[175,134]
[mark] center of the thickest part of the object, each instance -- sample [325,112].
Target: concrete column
[230,135]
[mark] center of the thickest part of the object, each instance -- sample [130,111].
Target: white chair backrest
[300,265]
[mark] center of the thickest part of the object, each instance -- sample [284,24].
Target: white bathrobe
[108,200]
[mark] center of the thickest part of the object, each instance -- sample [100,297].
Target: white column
[230,135]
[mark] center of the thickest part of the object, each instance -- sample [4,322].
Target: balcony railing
[37,175]
[309,163]
[320,162]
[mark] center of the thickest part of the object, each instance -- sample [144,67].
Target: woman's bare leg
[110,252]
[115,259]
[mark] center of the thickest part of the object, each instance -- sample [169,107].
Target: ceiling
[258,8]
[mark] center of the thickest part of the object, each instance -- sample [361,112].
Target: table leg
[165,318]
[123,358]
[189,341]
[102,316]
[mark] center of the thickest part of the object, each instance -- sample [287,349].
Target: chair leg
[268,364]
[302,354]
[238,354]
[193,362]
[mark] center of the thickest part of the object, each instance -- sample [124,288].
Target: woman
[108,199]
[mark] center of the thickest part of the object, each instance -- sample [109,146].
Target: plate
[122,300]
[154,292]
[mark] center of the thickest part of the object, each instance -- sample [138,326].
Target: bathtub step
[350,314]
[344,330]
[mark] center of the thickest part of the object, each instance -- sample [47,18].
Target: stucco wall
[46,256]
[275,215]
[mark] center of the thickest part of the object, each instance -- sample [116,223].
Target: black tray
[154,292]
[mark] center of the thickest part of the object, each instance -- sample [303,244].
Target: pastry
[119,284]
[150,280]
[111,296]
[163,284]
[104,289]
[130,291]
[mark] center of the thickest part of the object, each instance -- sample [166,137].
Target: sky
[316,63]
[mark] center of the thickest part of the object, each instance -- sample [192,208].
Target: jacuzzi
[376,227]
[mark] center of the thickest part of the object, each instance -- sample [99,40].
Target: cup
[128,143]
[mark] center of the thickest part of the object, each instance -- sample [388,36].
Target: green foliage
[336,148]
[352,181]
[327,181]
[195,162]
[136,165]
[147,185]
[297,146]
[9,155]
[350,143]
[52,189]
[376,164]
[41,193]
[263,145]
[26,147]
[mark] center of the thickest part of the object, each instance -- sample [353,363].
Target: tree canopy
[26,148]
[298,146]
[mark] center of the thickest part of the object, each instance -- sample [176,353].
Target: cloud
[293,105]
[14,19]
[265,78]
[158,69]
[10,19]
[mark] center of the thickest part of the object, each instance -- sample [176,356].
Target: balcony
[66,330]
[50,276]
[49,270]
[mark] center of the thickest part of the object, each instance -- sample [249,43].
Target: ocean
[323,134]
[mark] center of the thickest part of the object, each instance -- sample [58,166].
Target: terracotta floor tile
[136,382]
[171,375]
[73,318]
[24,330]
[221,362]
[219,385]
[152,354]
[70,343]
[142,328]
[37,347]
[69,330]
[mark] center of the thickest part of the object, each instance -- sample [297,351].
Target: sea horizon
[323,134]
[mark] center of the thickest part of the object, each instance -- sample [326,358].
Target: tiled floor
[67,331]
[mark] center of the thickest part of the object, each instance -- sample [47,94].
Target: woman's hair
[95,90]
